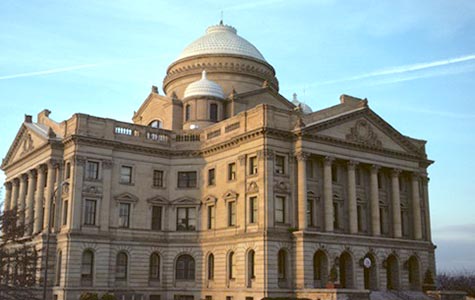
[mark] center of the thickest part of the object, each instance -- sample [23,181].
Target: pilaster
[302,158]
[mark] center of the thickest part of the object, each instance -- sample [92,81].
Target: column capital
[265,154]
[80,160]
[53,163]
[351,164]
[107,164]
[242,159]
[375,168]
[328,160]
[16,181]
[302,156]
[23,177]
[8,185]
[395,172]
[425,179]
[32,173]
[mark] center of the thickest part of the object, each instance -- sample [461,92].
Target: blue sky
[413,60]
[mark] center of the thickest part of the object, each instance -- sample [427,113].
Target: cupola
[203,88]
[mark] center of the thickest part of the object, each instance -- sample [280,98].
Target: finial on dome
[203,74]
[295,97]
[221,22]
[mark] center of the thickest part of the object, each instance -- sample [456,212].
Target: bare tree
[18,259]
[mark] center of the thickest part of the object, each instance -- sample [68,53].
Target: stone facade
[256,199]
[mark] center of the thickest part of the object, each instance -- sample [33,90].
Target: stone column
[425,194]
[396,203]
[22,200]
[14,199]
[352,206]
[8,195]
[30,202]
[49,194]
[58,198]
[267,203]
[75,192]
[328,193]
[39,199]
[106,194]
[416,207]
[301,190]
[374,195]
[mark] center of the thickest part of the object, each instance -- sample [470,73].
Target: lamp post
[48,237]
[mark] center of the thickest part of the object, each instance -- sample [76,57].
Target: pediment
[230,195]
[210,199]
[158,200]
[26,141]
[185,201]
[364,128]
[126,197]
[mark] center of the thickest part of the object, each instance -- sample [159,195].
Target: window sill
[158,187]
[127,183]
[93,179]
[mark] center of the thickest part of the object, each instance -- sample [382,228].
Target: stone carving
[302,155]
[265,154]
[281,187]
[362,133]
[27,144]
[92,190]
[252,187]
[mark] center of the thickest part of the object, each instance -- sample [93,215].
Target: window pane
[232,171]
[126,174]
[156,217]
[124,214]
[90,212]
[92,170]
[157,178]
[279,209]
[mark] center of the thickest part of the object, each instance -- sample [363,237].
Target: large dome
[221,39]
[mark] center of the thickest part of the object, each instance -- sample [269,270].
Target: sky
[413,60]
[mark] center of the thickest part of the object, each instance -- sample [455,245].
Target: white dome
[204,87]
[221,39]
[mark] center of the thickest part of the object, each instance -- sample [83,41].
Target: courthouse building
[221,188]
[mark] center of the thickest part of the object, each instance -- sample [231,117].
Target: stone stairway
[398,295]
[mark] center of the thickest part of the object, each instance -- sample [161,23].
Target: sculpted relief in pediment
[362,133]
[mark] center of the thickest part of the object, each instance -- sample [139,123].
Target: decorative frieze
[362,133]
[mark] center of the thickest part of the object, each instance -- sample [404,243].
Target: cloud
[459,232]
[70,68]
[406,69]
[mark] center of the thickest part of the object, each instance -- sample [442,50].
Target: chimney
[28,119]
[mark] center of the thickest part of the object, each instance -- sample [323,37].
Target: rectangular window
[158,178]
[336,213]
[253,210]
[124,215]
[232,213]
[65,212]
[126,174]
[211,177]
[310,212]
[280,209]
[359,213]
[187,179]
[253,165]
[213,112]
[186,219]
[67,172]
[92,170]
[334,173]
[309,169]
[232,171]
[90,212]
[358,174]
[380,181]
[280,164]
[156,217]
[211,216]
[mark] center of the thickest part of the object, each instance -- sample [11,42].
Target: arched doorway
[392,272]
[370,272]
[414,274]
[320,269]
[346,270]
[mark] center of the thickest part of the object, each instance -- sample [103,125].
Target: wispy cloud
[70,68]
[409,71]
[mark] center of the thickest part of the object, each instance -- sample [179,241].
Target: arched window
[87,268]
[213,112]
[251,264]
[121,266]
[211,267]
[185,268]
[154,272]
[231,260]
[58,268]
[155,124]
[282,265]
[187,112]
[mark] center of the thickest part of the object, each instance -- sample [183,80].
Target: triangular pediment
[28,139]
[363,128]
[126,197]
[158,200]
[185,201]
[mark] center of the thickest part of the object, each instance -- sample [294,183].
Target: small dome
[204,87]
[221,39]
[306,109]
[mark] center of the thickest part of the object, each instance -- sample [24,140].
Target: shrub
[89,296]
[108,296]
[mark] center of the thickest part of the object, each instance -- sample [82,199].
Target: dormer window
[155,124]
